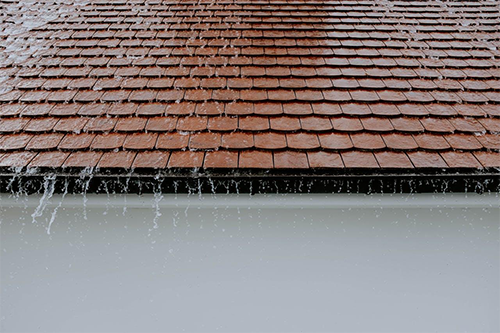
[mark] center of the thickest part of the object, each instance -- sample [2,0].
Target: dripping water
[48,191]
[85,177]
[54,212]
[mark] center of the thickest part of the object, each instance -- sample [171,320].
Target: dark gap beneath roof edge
[195,181]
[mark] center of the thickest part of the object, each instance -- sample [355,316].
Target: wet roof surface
[250,84]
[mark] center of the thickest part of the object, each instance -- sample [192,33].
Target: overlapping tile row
[256,84]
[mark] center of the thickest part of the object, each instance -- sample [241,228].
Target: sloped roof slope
[253,84]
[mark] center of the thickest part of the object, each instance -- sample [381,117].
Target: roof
[253,84]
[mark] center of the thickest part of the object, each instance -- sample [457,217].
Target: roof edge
[193,181]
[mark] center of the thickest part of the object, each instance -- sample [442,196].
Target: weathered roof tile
[460,160]
[391,160]
[290,159]
[83,159]
[221,159]
[186,159]
[358,159]
[53,159]
[253,159]
[422,159]
[120,159]
[256,85]
[151,159]
[16,159]
[324,160]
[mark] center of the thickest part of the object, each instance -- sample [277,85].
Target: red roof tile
[290,159]
[248,84]
[83,159]
[322,159]
[16,159]
[151,159]
[256,159]
[221,159]
[49,159]
[121,159]
[186,159]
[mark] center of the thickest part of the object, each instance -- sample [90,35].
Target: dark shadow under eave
[254,181]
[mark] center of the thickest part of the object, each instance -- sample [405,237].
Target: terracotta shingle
[427,160]
[431,142]
[151,159]
[325,160]
[14,141]
[289,159]
[251,159]
[254,123]
[392,160]
[367,141]
[270,141]
[302,141]
[488,159]
[11,125]
[75,125]
[237,141]
[463,142]
[121,159]
[140,141]
[83,159]
[460,160]
[490,141]
[108,141]
[53,159]
[100,124]
[16,159]
[44,141]
[355,159]
[172,141]
[76,141]
[186,159]
[132,124]
[399,141]
[205,141]
[221,159]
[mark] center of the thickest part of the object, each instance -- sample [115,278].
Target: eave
[140,181]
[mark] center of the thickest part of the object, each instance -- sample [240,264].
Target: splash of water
[54,212]
[49,185]
[157,198]
[85,177]
[10,185]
